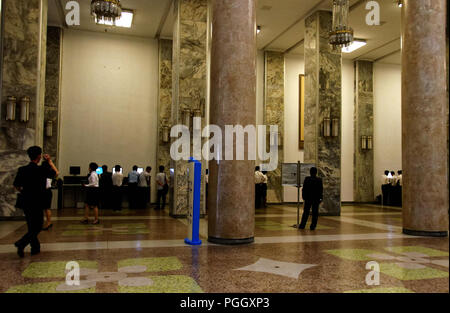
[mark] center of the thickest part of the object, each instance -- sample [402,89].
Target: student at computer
[117,181]
[133,178]
[144,187]
[105,188]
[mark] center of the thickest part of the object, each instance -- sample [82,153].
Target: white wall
[294,66]
[347,152]
[387,121]
[109,101]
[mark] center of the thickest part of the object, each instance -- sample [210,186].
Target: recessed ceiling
[282,24]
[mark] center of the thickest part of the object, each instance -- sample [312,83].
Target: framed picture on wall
[301,110]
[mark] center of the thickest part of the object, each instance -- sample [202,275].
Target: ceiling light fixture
[106,11]
[125,20]
[341,34]
[356,44]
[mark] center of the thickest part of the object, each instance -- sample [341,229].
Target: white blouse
[93,180]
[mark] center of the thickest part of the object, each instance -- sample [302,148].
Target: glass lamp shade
[326,127]
[25,109]
[369,142]
[165,134]
[335,127]
[49,129]
[11,108]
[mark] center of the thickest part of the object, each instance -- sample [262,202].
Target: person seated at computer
[105,188]
[133,178]
[144,187]
[92,194]
[117,181]
[399,180]
[385,183]
[259,180]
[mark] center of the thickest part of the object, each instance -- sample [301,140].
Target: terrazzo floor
[144,252]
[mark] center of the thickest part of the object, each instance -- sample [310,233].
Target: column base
[223,241]
[425,233]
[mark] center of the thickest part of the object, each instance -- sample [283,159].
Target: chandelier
[341,34]
[106,10]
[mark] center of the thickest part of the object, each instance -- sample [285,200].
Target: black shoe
[312,228]
[48,227]
[20,252]
[34,252]
[301,227]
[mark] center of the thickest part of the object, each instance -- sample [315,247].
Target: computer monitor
[99,171]
[75,170]
[140,170]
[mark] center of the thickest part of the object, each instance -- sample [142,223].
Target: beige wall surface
[109,101]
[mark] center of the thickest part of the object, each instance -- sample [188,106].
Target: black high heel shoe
[48,227]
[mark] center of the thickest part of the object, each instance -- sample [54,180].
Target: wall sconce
[165,134]
[363,142]
[186,116]
[49,129]
[335,127]
[366,143]
[11,108]
[327,127]
[25,109]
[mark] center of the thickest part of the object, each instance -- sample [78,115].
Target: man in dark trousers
[312,194]
[31,181]
[106,184]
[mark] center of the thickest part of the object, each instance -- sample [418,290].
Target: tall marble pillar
[23,75]
[165,105]
[189,68]
[274,115]
[363,130]
[231,199]
[424,108]
[323,100]
[52,92]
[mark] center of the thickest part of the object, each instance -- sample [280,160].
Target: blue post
[195,240]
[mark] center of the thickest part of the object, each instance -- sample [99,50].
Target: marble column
[323,100]
[165,105]
[274,115]
[189,87]
[231,199]
[52,91]
[424,119]
[363,126]
[23,74]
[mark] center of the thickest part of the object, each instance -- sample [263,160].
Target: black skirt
[92,196]
[47,199]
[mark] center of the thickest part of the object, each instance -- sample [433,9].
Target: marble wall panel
[274,115]
[363,126]
[323,99]
[189,86]
[23,72]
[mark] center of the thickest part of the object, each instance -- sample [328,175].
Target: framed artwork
[301,110]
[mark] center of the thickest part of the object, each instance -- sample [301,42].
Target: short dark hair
[34,152]
[117,168]
[392,173]
[105,168]
[93,166]
[257,168]
[161,168]
[400,172]
[386,172]
[313,171]
[135,167]
[148,168]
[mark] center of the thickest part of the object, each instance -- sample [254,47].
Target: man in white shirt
[259,180]
[117,179]
[144,187]
[163,187]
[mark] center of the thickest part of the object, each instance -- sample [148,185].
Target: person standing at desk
[385,187]
[92,195]
[31,181]
[144,187]
[259,180]
[312,194]
[117,181]
[163,188]
[105,188]
[133,178]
